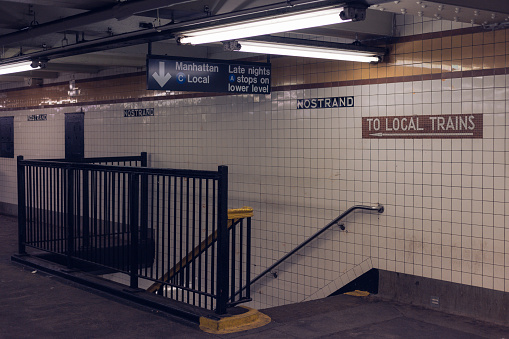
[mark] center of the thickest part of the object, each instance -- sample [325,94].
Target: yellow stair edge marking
[358,293]
[242,322]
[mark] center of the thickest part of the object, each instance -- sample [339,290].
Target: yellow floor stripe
[247,321]
[358,293]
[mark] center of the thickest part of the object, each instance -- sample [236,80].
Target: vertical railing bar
[163,214]
[118,225]
[175,214]
[152,220]
[54,233]
[70,216]
[248,259]
[86,211]
[44,236]
[51,224]
[133,219]
[22,227]
[109,196]
[206,234]
[51,208]
[63,211]
[168,261]
[50,211]
[146,241]
[99,220]
[58,209]
[144,196]
[232,258]
[27,170]
[157,223]
[241,256]
[54,208]
[222,240]
[95,185]
[35,210]
[181,280]
[44,227]
[114,225]
[27,234]
[200,219]
[124,221]
[213,286]
[77,208]
[188,267]
[105,229]
[193,277]
[38,208]
[28,204]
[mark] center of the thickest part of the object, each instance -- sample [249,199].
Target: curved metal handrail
[379,208]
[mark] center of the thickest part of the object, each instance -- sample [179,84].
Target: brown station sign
[447,126]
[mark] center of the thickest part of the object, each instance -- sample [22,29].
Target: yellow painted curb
[358,293]
[247,321]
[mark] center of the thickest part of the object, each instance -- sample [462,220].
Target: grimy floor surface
[35,305]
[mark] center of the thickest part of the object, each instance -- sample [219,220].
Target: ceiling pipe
[118,11]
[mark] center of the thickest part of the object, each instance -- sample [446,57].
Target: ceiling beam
[496,6]
[77,4]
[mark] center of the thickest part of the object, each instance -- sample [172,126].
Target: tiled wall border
[383,80]
[409,78]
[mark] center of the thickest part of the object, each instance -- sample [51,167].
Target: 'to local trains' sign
[450,126]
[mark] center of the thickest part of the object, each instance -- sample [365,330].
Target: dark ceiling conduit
[119,11]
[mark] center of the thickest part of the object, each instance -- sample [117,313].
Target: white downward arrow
[161,78]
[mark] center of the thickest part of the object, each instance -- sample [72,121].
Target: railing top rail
[379,208]
[98,159]
[135,170]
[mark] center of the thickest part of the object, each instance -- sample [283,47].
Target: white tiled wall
[412,25]
[445,200]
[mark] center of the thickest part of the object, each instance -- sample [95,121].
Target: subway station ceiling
[88,36]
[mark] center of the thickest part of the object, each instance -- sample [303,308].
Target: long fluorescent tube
[306,51]
[17,67]
[271,25]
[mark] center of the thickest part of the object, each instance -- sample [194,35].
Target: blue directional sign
[204,75]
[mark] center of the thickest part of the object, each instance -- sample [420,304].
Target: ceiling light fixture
[17,67]
[343,53]
[269,25]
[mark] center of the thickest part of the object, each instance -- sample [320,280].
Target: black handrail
[379,208]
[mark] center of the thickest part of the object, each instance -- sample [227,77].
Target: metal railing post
[222,241]
[248,259]
[21,206]
[86,210]
[144,199]
[70,215]
[133,229]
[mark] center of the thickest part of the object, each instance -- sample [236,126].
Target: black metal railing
[239,239]
[379,208]
[138,221]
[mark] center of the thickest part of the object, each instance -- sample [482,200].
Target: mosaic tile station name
[138,112]
[331,102]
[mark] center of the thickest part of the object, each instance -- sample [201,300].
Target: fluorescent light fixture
[307,51]
[18,67]
[264,26]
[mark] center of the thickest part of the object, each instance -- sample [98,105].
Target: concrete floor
[36,305]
